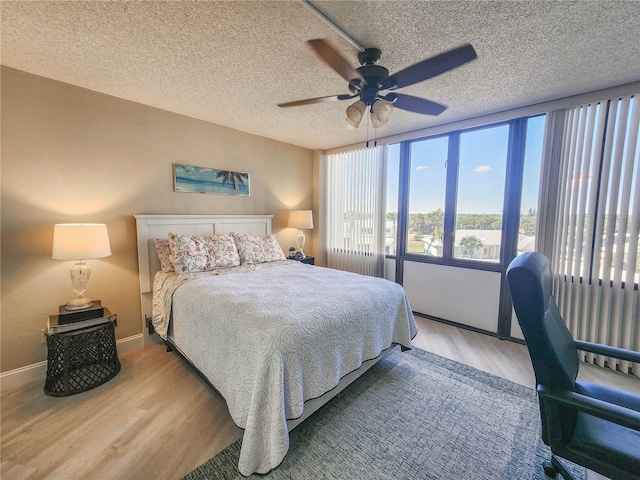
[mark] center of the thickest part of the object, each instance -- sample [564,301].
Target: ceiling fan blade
[418,105]
[431,67]
[336,61]
[310,101]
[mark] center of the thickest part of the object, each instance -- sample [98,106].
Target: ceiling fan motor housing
[374,75]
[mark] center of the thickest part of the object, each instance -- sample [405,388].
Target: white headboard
[157,226]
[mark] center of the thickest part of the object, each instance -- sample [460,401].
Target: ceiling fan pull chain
[367,120]
[375,137]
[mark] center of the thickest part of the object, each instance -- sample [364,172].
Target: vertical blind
[549,182]
[597,224]
[355,210]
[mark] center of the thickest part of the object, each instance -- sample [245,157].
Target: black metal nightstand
[81,358]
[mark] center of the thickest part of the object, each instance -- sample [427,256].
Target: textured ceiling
[231,63]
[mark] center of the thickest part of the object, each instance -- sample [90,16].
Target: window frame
[511,199]
[514,178]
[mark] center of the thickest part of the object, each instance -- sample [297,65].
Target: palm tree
[470,243]
[437,234]
[417,223]
[392,217]
[234,178]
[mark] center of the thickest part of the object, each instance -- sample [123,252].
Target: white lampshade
[355,113]
[80,241]
[381,112]
[300,219]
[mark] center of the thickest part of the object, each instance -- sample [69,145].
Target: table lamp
[80,242]
[300,219]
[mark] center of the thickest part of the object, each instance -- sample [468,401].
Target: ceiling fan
[371,81]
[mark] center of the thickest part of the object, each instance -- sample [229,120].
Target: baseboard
[130,343]
[37,372]
[23,375]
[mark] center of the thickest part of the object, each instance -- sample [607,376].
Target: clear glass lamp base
[80,274]
[78,303]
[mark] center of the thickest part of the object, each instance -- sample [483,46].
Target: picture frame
[192,179]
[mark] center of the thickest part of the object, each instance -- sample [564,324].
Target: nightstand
[81,356]
[307,260]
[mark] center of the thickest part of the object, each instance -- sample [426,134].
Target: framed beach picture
[187,178]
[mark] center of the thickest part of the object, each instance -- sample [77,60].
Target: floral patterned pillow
[200,253]
[257,249]
[163,249]
[272,249]
[189,253]
[222,251]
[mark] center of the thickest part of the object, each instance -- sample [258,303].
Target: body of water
[207,186]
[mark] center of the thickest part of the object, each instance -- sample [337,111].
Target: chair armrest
[619,353]
[592,406]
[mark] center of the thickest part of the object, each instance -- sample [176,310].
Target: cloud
[482,169]
[421,167]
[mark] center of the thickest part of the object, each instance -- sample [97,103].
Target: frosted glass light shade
[380,113]
[355,113]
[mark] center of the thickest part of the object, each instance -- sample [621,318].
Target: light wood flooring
[158,420]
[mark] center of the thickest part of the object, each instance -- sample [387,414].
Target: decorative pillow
[200,253]
[272,249]
[189,253]
[257,249]
[163,249]
[222,251]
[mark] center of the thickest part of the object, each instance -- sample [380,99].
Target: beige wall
[73,155]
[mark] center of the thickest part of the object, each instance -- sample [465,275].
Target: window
[481,182]
[620,206]
[393,180]
[427,183]
[354,205]
[466,198]
[458,190]
[596,223]
[531,185]
[597,238]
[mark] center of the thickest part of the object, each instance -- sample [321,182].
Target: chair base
[554,467]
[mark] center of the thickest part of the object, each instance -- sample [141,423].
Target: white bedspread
[271,338]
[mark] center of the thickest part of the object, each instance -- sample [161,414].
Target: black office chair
[591,425]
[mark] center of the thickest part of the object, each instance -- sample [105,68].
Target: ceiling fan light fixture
[355,113]
[380,113]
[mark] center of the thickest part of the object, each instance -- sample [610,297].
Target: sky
[481,174]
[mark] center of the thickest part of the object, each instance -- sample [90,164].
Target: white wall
[390,269]
[463,295]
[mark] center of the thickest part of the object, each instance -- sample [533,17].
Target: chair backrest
[553,353]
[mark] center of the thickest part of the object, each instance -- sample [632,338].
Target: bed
[276,339]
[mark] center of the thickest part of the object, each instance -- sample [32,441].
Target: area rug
[414,415]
